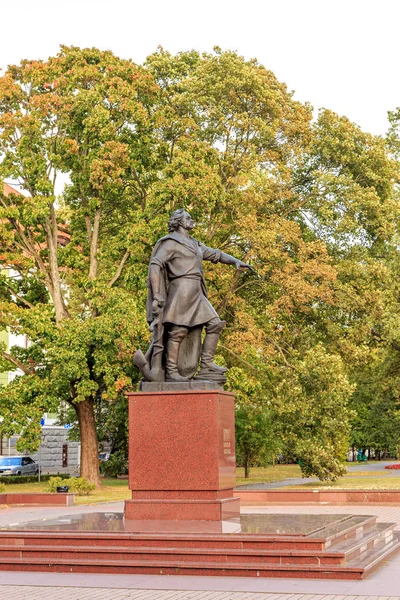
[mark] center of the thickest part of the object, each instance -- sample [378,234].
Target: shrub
[80,486]
[53,484]
[2,488]
[117,464]
[29,478]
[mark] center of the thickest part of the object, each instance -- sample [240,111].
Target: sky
[336,54]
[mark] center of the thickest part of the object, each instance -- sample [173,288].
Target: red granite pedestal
[182,456]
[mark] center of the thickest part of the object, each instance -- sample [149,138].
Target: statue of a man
[178,307]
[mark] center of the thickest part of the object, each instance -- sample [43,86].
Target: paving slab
[17,592]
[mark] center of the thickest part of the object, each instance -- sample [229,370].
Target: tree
[309,205]
[257,436]
[79,113]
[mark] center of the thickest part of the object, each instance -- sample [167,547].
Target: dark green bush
[11,479]
[117,464]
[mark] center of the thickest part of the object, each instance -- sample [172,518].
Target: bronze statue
[178,308]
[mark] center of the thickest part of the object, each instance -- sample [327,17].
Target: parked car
[103,456]
[18,465]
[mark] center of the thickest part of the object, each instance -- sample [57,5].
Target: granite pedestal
[182,456]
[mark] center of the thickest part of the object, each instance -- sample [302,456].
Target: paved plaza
[381,584]
[85,593]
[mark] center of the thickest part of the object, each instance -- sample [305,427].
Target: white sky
[338,54]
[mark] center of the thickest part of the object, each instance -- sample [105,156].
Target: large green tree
[84,113]
[309,205]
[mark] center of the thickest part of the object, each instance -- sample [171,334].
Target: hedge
[11,479]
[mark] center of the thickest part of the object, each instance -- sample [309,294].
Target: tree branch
[17,296]
[53,224]
[251,282]
[238,357]
[58,300]
[94,245]
[120,268]
[224,302]
[17,363]
[87,219]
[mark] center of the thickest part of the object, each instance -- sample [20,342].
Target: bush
[117,464]
[53,484]
[2,488]
[80,486]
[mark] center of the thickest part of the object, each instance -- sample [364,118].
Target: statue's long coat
[182,280]
[183,286]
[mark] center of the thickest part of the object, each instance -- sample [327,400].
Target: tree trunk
[246,468]
[89,443]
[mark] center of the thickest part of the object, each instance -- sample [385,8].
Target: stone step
[167,555]
[373,557]
[352,570]
[355,546]
[346,550]
[14,538]
[320,539]
[345,529]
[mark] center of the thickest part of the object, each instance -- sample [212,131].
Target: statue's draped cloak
[182,280]
[183,286]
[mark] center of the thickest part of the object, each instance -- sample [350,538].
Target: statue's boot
[209,348]
[171,366]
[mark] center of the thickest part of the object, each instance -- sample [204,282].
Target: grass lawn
[370,480]
[356,481]
[112,491]
[268,474]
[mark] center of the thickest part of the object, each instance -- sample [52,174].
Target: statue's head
[180,218]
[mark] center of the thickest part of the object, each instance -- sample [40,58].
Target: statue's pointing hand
[242,265]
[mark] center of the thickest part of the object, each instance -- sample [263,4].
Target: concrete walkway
[374,466]
[85,593]
[382,584]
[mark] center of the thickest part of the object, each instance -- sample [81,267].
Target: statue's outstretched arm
[227,259]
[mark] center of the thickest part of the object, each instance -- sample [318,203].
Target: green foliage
[2,488]
[116,465]
[313,414]
[77,485]
[80,486]
[257,442]
[311,205]
[54,483]
[15,479]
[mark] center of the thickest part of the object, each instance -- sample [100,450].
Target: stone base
[312,546]
[178,386]
[37,498]
[182,455]
[182,509]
